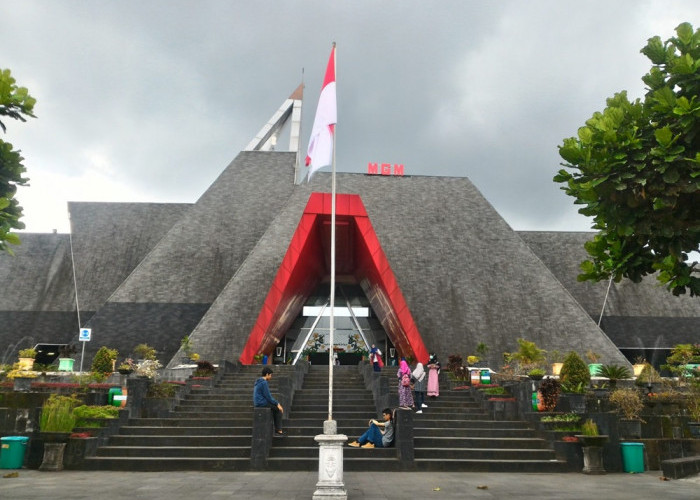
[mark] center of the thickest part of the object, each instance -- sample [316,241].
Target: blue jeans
[372,435]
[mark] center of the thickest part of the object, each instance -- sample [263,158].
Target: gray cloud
[150,100]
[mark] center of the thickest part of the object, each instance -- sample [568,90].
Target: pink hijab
[404,368]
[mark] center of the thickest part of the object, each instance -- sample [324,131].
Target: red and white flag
[320,152]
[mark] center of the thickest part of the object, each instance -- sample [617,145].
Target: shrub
[103,360]
[567,417]
[648,375]
[574,375]
[27,353]
[494,391]
[83,413]
[145,351]
[454,361]
[628,402]
[528,355]
[550,389]
[161,390]
[589,428]
[614,372]
[57,414]
[204,369]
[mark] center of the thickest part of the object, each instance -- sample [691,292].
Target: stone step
[484,465]
[485,453]
[176,451]
[451,442]
[159,464]
[492,433]
[190,422]
[174,440]
[359,464]
[184,431]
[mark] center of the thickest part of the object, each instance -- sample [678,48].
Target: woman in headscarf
[420,386]
[375,357]
[405,393]
[433,372]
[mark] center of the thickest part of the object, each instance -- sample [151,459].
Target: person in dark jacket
[263,399]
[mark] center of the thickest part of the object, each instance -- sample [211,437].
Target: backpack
[405,380]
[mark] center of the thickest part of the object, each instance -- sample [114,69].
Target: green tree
[636,169]
[16,103]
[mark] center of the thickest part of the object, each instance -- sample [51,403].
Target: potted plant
[649,378]
[638,365]
[628,403]
[536,374]
[592,442]
[692,407]
[684,358]
[66,359]
[145,352]
[555,359]
[593,365]
[186,348]
[575,378]
[148,368]
[55,424]
[26,358]
[528,355]
[127,367]
[21,379]
[482,351]
[104,360]
[204,369]
[614,373]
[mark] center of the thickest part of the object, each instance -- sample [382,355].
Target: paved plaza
[74,485]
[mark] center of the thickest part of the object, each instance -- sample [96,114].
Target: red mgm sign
[384,169]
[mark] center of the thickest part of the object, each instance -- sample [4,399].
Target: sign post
[84,336]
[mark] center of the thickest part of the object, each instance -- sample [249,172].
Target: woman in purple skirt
[405,385]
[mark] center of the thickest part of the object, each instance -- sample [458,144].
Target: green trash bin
[12,449]
[111,399]
[632,457]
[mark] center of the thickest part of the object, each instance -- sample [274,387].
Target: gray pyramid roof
[167,293]
[466,276]
[110,240]
[636,314]
[37,299]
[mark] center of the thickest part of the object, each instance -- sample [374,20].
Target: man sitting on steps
[379,434]
[263,399]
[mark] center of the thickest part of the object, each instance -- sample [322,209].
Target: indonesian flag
[320,152]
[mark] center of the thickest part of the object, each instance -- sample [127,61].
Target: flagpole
[331,361]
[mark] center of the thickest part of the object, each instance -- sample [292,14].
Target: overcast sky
[142,100]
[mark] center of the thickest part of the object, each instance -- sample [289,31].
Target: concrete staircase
[353,407]
[455,434]
[210,429]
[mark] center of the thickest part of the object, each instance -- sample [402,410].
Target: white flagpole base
[330,463]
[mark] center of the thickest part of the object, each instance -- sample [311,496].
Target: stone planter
[577,402]
[630,429]
[54,447]
[26,364]
[593,453]
[22,384]
[65,364]
[694,428]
